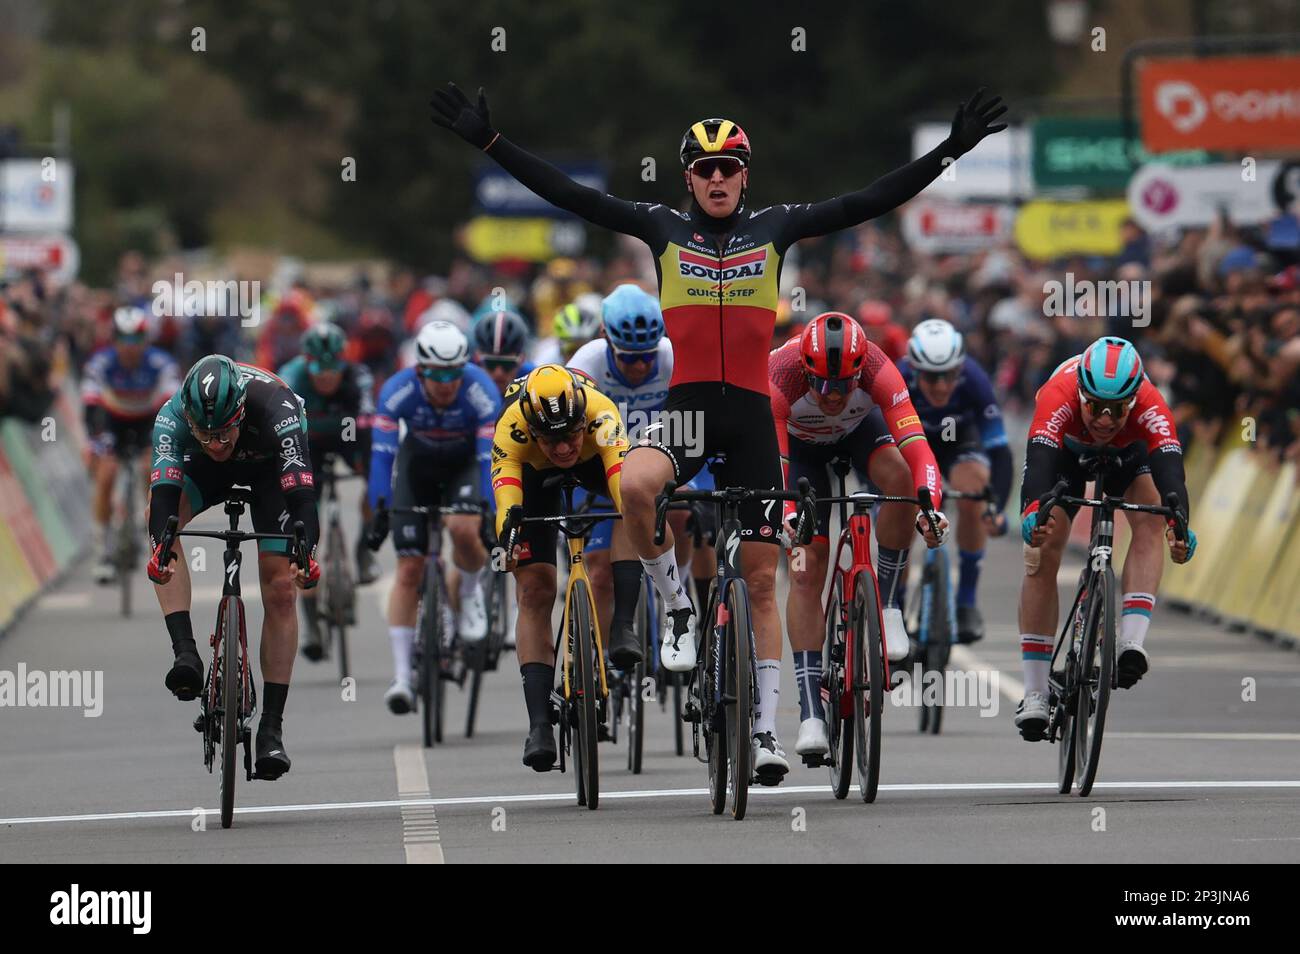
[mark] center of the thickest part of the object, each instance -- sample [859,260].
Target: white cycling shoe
[813,738]
[400,698]
[678,650]
[471,623]
[104,571]
[1031,716]
[897,644]
[769,758]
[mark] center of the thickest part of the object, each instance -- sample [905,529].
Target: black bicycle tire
[228,637]
[427,624]
[740,668]
[713,722]
[583,632]
[636,698]
[839,731]
[126,540]
[1089,756]
[868,677]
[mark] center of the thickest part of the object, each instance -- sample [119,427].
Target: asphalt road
[1190,771]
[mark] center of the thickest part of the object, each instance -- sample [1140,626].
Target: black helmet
[499,333]
[714,137]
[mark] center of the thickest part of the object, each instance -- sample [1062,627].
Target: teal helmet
[322,344]
[1110,370]
[213,393]
[633,321]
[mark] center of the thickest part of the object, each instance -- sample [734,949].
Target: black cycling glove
[451,109]
[972,122]
[378,531]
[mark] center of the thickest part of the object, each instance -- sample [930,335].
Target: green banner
[1092,153]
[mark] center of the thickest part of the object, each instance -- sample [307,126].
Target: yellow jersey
[513,447]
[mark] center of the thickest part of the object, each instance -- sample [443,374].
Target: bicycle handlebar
[803,495]
[1058,495]
[297,540]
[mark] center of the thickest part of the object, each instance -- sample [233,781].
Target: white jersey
[595,360]
[812,425]
[547,351]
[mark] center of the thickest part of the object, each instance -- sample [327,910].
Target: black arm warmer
[1000,475]
[164,502]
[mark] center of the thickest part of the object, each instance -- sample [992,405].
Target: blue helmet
[1110,370]
[633,321]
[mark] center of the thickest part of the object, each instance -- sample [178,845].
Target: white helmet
[440,344]
[130,321]
[445,309]
[935,346]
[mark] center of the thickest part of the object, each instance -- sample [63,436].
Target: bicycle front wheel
[227,657]
[1096,668]
[839,730]
[582,689]
[867,683]
[637,689]
[740,693]
[429,635]
[942,628]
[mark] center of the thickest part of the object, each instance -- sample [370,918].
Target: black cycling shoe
[185,678]
[272,759]
[367,565]
[625,647]
[970,624]
[313,644]
[1131,666]
[539,749]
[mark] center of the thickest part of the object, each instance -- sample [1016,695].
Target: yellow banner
[492,239]
[1052,229]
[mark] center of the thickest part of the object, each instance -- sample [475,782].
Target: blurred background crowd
[249,187]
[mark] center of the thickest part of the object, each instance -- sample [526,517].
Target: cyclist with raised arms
[631,366]
[122,387]
[1099,402]
[499,340]
[340,401]
[719,268]
[235,424]
[449,407]
[835,394]
[554,420]
[963,424]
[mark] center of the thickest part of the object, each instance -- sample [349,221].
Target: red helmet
[875,313]
[714,137]
[833,347]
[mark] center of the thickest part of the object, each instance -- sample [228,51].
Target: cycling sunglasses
[636,357]
[939,377]
[550,440]
[320,367]
[223,436]
[441,375]
[136,339]
[506,362]
[705,167]
[1116,409]
[826,386]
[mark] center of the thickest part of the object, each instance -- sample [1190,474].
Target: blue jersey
[132,394]
[596,360]
[972,404]
[447,435]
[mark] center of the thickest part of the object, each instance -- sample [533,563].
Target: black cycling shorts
[967,445]
[349,453]
[135,435]
[813,460]
[701,421]
[422,481]
[207,482]
[1132,463]
[536,541]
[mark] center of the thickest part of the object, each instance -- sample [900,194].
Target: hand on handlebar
[1181,550]
[158,572]
[994,523]
[308,578]
[926,531]
[377,533]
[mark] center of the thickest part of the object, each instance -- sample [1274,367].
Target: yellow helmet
[553,400]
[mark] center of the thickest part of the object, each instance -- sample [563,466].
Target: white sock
[684,574]
[663,570]
[1036,660]
[401,638]
[769,690]
[469,582]
[1136,617]
[100,543]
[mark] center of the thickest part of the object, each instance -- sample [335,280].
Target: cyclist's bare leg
[467,554]
[1039,600]
[535,585]
[279,619]
[1145,562]
[758,562]
[105,471]
[969,476]
[895,523]
[645,471]
[174,597]
[803,608]
[601,575]
[683,545]
[405,597]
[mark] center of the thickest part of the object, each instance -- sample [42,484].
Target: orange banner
[1226,103]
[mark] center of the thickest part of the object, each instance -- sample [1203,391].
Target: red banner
[1230,104]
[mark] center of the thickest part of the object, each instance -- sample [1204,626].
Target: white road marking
[1011,688]
[936,787]
[419,820]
